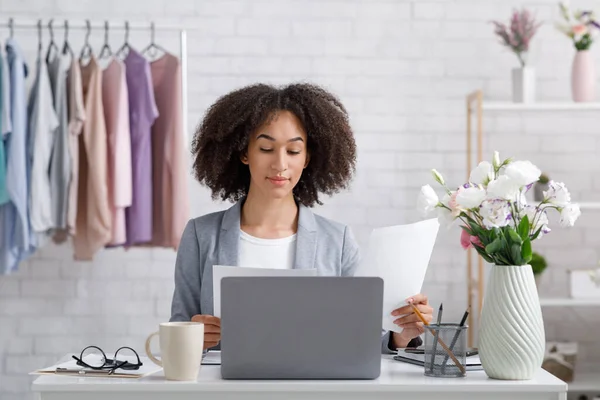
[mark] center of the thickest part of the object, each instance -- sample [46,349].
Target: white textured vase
[511,330]
[583,77]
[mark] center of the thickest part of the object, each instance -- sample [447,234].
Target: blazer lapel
[306,239]
[229,236]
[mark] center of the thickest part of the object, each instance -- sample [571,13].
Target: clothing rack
[89,26]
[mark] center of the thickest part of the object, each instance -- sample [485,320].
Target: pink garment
[93,213]
[116,117]
[170,193]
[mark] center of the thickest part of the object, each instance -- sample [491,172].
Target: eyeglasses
[106,363]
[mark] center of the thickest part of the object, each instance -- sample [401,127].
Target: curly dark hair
[223,136]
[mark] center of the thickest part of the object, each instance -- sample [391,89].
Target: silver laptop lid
[301,327]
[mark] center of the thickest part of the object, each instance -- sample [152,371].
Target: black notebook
[473,362]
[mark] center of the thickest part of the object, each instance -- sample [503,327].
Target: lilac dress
[142,113]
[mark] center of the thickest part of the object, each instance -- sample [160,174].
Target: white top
[42,124]
[266,253]
[395,377]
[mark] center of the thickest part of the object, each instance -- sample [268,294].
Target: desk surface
[395,376]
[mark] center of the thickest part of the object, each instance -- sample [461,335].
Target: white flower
[536,222]
[503,188]
[470,197]
[523,172]
[428,200]
[445,217]
[496,160]
[495,213]
[449,200]
[569,214]
[482,174]
[557,194]
[438,177]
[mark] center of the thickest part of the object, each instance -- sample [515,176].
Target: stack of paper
[222,271]
[70,368]
[400,256]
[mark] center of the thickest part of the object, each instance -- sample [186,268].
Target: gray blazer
[213,239]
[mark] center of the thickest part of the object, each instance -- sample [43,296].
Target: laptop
[301,327]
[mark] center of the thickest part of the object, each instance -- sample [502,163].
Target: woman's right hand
[212,329]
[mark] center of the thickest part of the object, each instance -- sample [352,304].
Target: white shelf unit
[569,302]
[476,106]
[584,382]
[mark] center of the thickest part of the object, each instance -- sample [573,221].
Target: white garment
[6,127]
[266,253]
[42,125]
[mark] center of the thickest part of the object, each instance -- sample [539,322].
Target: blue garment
[16,244]
[3,192]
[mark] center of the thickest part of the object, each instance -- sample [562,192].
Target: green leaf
[515,253]
[524,228]
[468,230]
[526,252]
[494,247]
[483,254]
[537,233]
[514,236]
[476,229]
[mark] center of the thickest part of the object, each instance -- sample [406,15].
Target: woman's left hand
[410,322]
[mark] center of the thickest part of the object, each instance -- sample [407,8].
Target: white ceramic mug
[181,345]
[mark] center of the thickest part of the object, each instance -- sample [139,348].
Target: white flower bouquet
[496,219]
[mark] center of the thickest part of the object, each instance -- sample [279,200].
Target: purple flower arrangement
[517,36]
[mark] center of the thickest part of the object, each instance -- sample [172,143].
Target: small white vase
[511,331]
[583,77]
[523,81]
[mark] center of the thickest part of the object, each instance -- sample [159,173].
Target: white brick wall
[402,67]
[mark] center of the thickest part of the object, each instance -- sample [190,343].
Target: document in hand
[222,271]
[400,256]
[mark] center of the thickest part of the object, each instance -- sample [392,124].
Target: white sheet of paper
[222,271]
[400,256]
[212,357]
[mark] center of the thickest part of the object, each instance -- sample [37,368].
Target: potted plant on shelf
[540,187]
[538,265]
[581,27]
[497,222]
[517,38]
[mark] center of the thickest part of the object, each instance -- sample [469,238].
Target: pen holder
[438,362]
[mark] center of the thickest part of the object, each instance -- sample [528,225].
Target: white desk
[398,381]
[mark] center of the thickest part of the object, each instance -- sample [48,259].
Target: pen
[436,336]
[82,371]
[455,338]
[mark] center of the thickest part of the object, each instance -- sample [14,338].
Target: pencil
[440,341]
[437,334]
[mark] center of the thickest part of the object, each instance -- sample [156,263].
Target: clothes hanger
[124,50]
[11,27]
[52,45]
[105,51]
[152,48]
[66,47]
[87,51]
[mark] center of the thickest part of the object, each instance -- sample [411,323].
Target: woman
[272,151]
